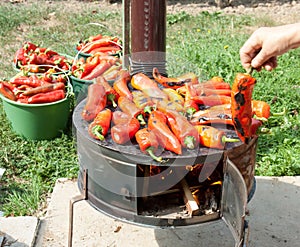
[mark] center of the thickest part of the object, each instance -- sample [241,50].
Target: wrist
[293,36]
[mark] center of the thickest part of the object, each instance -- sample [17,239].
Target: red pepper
[111,94]
[120,117]
[32,81]
[261,109]
[99,127]
[122,133]
[174,82]
[121,84]
[148,143]
[20,57]
[100,68]
[241,106]
[127,106]
[7,92]
[212,100]
[182,128]
[28,46]
[208,92]
[89,65]
[190,105]
[255,124]
[212,137]
[157,123]
[142,82]
[206,117]
[96,44]
[106,50]
[95,102]
[44,88]
[47,97]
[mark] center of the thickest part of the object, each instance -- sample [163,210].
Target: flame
[217,183]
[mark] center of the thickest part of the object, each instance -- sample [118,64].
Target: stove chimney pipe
[147,41]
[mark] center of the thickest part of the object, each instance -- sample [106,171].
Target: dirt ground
[281,11]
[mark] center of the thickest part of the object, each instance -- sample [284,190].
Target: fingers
[270,64]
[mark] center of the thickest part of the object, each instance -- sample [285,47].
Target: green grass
[207,44]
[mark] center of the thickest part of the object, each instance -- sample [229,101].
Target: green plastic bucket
[38,121]
[80,88]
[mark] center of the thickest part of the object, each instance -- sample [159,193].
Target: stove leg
[246,234]
[75,199]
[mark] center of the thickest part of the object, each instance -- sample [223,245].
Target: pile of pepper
[171,113]
[33,58]
[35,89]
[95,66]
[106,45]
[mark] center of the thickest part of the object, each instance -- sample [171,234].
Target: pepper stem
[111,97]
[189,112]
[226,139]
[97,131]
[148,109]
[277,114]
[141,119]
[189,141]
[153,156]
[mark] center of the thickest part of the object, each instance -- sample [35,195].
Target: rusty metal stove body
[124,183]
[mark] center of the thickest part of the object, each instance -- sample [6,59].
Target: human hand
[267,43]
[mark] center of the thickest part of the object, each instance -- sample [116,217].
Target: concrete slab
[273,221]
[18,231]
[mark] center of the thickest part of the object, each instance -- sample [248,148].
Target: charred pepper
[95,102]
[157,122]
[241,106]
[148,143]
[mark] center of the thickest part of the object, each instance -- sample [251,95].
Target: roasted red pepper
[211,117]
[99,127]
[212,137]
[122,133]
[48,97]
[212,100]
[182,128]
[141,100]
[261,109]
[142,82]
[111,94]
[190,105]
[95,102]
[128,106]
[120,117]
[241,106]
[157,123]
[121,84]
[148,143]
[174,83]
[173,95]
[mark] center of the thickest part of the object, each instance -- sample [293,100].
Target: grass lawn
[207,44]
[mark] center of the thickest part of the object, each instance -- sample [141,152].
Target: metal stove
[199,186]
